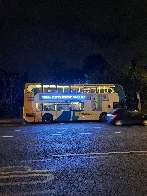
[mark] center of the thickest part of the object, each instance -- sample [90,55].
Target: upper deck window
[34,89]
[111,90]
[93,90]
[49,89]
[101,90]
[77,89]
[90,89]
[60,89]
[66,89]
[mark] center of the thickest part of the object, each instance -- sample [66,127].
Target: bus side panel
[64,116]
[59,115]
[28,109]
[107,102]
[91,115]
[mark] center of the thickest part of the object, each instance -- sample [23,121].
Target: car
[123,116]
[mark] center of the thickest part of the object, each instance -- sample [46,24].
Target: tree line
[95,69]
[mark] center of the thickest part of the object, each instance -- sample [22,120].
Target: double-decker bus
[47,103]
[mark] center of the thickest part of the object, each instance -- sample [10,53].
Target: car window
[133,113]
[112,111]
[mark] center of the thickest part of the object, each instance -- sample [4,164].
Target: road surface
[73,159]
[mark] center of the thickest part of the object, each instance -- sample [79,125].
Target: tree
[11,93]
[136,75]
[132,77]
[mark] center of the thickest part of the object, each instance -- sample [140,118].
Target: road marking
[84,133]
[94,154]
[14,167]
[23,183]
[27,174]
[8,168]
[117,132]
[24,175]
[7,136]
[98,153]
[95,157]
[23,172]
[17,130]
[142,154]
[35,160]
[45,192]
[97,127]
[68,154]
[56,134]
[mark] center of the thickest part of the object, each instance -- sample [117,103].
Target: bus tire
[47,118]
[102,117]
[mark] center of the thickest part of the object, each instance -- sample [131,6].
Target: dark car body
[124,116]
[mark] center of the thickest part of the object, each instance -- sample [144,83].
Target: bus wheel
[103,117]
[47,119]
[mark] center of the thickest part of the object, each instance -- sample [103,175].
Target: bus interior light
[52,86]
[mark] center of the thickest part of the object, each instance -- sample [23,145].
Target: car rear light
[114,116]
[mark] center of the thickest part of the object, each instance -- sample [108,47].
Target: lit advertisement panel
[62,97]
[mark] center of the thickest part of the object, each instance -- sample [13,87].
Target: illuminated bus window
[48,106]
[93,90]
[38,107]
[30,89]
[77,89]
[45,88]
[105,89]
[90,89]
[63,107]
[110,90]
[86,90]
[81,89]
[52,90]
[66,89]
[101,90]
[34,89]
[77,106]
[49,89]
[60,89]
[74,89]
[98,89]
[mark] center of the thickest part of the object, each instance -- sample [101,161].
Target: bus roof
[66,84]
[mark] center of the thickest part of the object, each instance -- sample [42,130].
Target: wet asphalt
[73,159]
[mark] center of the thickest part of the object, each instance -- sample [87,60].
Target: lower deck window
[73,106]
[48,107]
[77,106]
[63,107]
[38,107]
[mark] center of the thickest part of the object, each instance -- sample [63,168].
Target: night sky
[35,34]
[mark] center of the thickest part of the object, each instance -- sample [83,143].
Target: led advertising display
[62,97]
